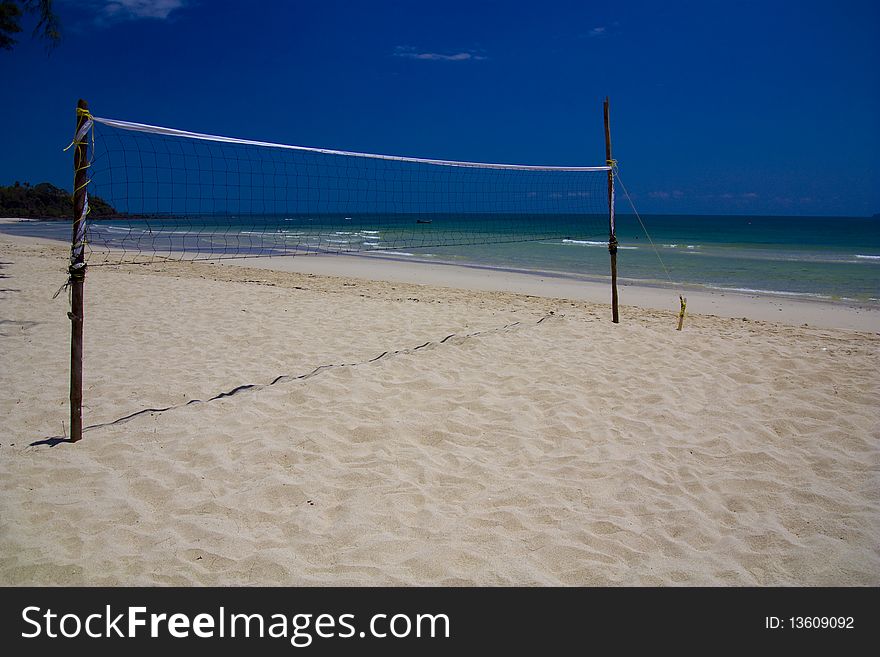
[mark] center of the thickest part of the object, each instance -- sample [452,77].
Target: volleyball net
[174,194]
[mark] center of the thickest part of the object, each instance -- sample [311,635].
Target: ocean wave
[594,243]
[867,257]
[750,290]
[587,242]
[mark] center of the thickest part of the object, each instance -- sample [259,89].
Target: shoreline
[558,285]
[783,309]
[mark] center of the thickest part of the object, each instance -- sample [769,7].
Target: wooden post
[683,301]
[612,236]
[78,269]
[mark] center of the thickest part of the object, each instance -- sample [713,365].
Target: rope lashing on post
[76,272]
[612,242]
[77,269]
[79,140]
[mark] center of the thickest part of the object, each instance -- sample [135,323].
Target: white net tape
[172,132]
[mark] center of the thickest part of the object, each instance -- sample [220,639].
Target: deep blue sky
[717,107]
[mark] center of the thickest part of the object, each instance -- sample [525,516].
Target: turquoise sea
[831,258]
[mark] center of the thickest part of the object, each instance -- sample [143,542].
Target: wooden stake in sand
[612,237]
[78,266]
[684,303]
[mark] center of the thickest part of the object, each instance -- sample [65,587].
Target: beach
[427,424]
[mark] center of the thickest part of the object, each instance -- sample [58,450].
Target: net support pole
[78,269]
[612,236]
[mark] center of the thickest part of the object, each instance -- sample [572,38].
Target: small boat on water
[424,221]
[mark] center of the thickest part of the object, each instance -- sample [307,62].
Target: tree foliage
[11,11]
[46,201]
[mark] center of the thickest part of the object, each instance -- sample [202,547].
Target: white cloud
[131,9]
[411,53]
[610,30]
[664,195]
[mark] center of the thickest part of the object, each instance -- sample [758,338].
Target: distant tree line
[46,201]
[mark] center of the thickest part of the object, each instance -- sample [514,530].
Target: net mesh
[157,193]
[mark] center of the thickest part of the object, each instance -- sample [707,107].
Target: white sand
[570,451]
[780,308]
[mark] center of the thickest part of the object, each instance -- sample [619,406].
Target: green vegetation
[11,12]
[46,201]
